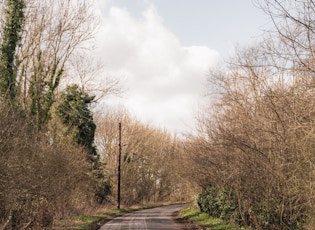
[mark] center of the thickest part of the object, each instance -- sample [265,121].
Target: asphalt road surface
[161,218]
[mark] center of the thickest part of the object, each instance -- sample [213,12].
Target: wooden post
[119,164]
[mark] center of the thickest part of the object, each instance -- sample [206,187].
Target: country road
[156,218]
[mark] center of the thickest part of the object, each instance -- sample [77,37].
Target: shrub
[220,204]
[41,179]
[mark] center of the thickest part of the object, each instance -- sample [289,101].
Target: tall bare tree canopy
[48,35]
[254,149]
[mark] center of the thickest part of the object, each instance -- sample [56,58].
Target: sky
[162,50]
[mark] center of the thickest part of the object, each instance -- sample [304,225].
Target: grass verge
[95,220]
[204,220]
[89,222]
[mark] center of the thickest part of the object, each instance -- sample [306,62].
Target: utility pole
[119,164]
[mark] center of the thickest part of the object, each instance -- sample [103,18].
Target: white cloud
[102,4]
[164,79]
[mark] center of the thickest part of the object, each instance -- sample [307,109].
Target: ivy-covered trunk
[14,18]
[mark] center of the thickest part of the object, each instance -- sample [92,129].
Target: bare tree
[91,76]
[249,141]
[54,31]
[295,29]
[149,159]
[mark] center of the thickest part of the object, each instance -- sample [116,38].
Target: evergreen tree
[75,114]
[14,18]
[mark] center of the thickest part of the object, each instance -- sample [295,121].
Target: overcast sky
[163,49]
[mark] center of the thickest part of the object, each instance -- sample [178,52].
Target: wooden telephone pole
[119,164]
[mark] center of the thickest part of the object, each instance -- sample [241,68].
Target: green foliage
[75,114]
[223,204]
[42,90]
[103,191]
[103,186]
[204,220]
[220,204]
[14,18]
